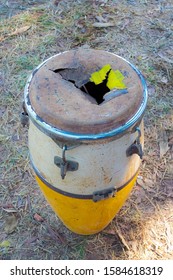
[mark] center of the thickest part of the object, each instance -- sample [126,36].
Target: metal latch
[136,147]
[24,118]
[103,194]
[65,165]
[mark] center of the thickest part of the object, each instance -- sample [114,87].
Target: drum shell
[86,156]
[103,165]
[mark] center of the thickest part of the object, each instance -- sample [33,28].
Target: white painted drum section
[101,165]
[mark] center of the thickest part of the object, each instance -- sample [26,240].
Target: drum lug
[65,165]
[24,118]
[103,194]
[136,147]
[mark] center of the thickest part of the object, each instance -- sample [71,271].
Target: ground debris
[163,143]
[10,224]
[18,31]
[55,235]
[103,24]
[38,218]
[9,210]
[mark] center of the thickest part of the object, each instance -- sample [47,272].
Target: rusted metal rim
[72,136]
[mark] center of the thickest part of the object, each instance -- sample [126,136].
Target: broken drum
[86,155]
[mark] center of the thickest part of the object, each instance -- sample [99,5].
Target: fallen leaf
[5,244]
[16,32]
[149,182]
[55,235]
[118,232]
[140,181]
[163,143]
[10,210]
[103,24]
[164,80]
[31,240]
[20,30]
[28,204]
[10,224]
[122,238]
[109,231]
[100,19]
[38,218]
[139,195]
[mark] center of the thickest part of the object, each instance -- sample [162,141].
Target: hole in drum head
[97,86]
[96,91]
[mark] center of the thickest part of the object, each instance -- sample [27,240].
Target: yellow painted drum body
[85,156]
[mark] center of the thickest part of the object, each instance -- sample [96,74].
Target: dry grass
[142,33]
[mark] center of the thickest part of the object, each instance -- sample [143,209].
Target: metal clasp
[65,165]
[103,194]
[136,147]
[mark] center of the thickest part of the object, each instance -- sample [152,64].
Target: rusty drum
[86,154]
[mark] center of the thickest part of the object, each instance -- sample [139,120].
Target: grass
[143,229]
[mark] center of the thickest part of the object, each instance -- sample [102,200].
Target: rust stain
[106,178]
[60,103]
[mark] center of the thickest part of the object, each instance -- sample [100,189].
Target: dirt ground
[140,31]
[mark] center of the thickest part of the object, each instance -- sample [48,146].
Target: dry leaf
[109,231]
[100,19]
[149,182]
[115,232]
[122,238]
[140,181]
[38,218]
[16,32]
[55,235]
[10,210]
[163,143]
[164,80]
[139,195]
[102,24]
[20,30]
[10,224]
[31,240]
